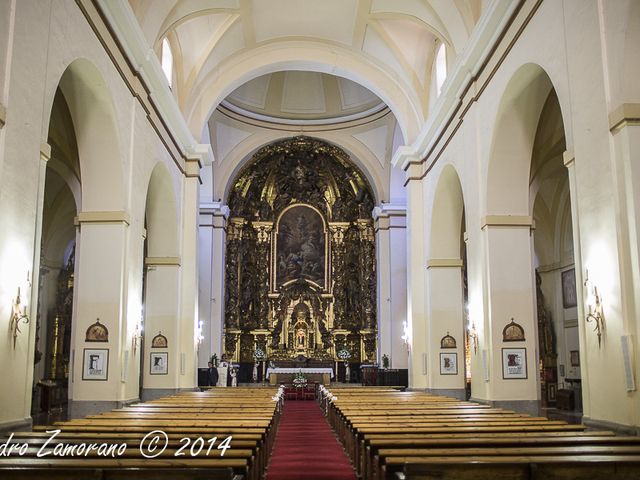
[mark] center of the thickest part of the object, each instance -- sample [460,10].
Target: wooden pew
[420,436]
[183,417]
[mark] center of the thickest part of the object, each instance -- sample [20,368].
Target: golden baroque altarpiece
[300,276]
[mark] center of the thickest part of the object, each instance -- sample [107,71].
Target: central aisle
[306,447]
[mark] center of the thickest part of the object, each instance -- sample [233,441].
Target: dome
[303,97]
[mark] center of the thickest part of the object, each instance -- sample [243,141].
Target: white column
[570,163]
[391,252]
[509,293]
[445,310]
[99,292]
[416,287]
[162,284]
[213,227]
[188,315]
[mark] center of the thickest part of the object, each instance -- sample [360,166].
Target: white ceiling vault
[369,57]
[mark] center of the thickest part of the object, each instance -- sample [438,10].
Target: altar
[280,375]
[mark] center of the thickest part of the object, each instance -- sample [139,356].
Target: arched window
[441,67]
[167,61]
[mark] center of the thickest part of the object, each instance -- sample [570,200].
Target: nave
[255,433]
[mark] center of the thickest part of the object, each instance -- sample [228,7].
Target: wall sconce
[17,315]
[472,333]
[594,305]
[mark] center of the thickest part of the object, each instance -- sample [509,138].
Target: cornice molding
[625,114]
[507,221]
[171,261]
[444,263]
[104,217]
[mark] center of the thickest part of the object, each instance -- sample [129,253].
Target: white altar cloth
[296,370]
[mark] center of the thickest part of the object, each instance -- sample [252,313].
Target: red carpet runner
[306,447]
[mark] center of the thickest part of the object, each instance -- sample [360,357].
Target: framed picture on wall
[569,297]
[159,363]
[95,365]
[575,358]
[448,364]
[514,363]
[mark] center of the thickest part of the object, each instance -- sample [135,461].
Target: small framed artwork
[97,332]
[513,332]
[95,365]
[159,363]
[447,341]
[569,297]
[561,370]
[514,363]
[159,341]
[574,356]
[448,364]
[551,392]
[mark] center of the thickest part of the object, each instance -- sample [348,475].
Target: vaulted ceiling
[245,68]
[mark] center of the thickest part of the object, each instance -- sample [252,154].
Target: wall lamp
[594,304]
[17,315]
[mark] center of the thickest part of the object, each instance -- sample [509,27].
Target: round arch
[311,56]
[161,215]
[514,132]
[92,113]
[447,216]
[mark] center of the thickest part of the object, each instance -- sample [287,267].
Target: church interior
[421,216]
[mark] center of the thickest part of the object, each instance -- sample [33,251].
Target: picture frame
[514,363]
[561,370]
[159,363]
[97,332]
[513,332]
[159,341]
[574,357]
[551,392]
[569,296]
[95,364]
[448,364]
[447,341]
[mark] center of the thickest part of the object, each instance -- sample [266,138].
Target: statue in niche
[300,338]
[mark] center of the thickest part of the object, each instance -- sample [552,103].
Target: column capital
[217,209]
[444,263]
[569,158]
[217,213]
[45,152]
[386,216]
[104,217]
[625,114]
[513,221]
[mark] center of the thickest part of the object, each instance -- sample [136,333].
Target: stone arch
[447,216]
[514,133]
[161,214]
[92,112]
[310,56]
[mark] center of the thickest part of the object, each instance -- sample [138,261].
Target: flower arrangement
[214,360]
[299,380]
[258,354]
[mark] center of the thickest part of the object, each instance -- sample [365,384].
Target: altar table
[280,375]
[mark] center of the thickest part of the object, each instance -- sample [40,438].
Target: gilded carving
[300,256]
